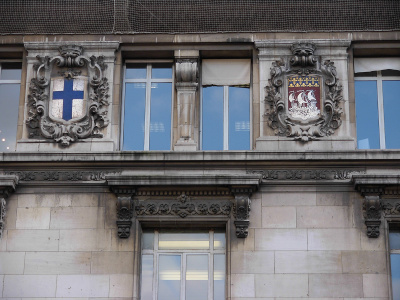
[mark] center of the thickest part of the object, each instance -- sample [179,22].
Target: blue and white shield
[68,98]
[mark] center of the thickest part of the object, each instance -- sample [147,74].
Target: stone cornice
[235,181]
[341,157]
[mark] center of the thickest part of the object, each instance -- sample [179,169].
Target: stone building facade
[156,153]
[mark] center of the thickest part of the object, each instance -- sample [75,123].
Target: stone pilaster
[186,72]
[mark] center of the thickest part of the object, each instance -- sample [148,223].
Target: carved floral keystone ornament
[303,95]
[67,98]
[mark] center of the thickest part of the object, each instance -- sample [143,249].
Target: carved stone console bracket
[8,184]
[163,188]
[241,210]
[124,210]
[372,188]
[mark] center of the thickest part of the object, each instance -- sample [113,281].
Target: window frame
[148,82]
[392,223]
[184,253]
[379,78]
[226,110]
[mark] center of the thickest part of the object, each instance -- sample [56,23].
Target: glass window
[226,104]
[10,84]
[183,265]
[226,118]
[147,106]
[377,106]
[394,243]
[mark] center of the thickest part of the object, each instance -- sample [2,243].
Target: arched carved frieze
[68,97]
[303,95]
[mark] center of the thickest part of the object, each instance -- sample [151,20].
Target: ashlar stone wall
[64,245]
[308,242]
[304,242]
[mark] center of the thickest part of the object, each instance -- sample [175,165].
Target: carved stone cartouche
[306,121]
[70,62]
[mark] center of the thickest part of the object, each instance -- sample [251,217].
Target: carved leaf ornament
[303,95]
[61,121]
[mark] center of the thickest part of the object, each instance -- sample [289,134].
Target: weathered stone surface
[82,286]
[279,217]
[308,262]
[281,239]
[375,285]
[77,217]
[336,285]
[323,217]
[276,285]
[29,286]
[242,285]
[112,263]
[33,218]
[12,262]
[85,240]
[297,198]
[121,285]
[32,240]
[57,263]
[252,262]
[364,262]
[334,239]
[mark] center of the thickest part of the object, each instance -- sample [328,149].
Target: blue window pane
[160,116]
[219,276]
[367,115]
[391,103]
[213,118]
[395,266]
[239,118]
[9,100]
[394,240]
[169,277]
[147,277]
[136,71]
[161,71]
[11,71]
[135,101]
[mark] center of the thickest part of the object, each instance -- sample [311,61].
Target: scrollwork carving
[65,132]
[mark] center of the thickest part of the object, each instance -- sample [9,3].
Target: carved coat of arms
[68,97]
[303,95]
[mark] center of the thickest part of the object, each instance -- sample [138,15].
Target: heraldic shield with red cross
[304,97]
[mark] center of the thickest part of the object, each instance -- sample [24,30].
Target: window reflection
[183,265]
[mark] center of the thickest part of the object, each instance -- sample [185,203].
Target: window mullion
[226,118]
[147,109]
[381,113]
[183,276]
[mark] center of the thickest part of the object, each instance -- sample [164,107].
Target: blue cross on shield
[68,98]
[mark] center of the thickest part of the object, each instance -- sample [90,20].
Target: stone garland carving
[39,120]
[315,116]
[61,175]
[304,174]
[183,207]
